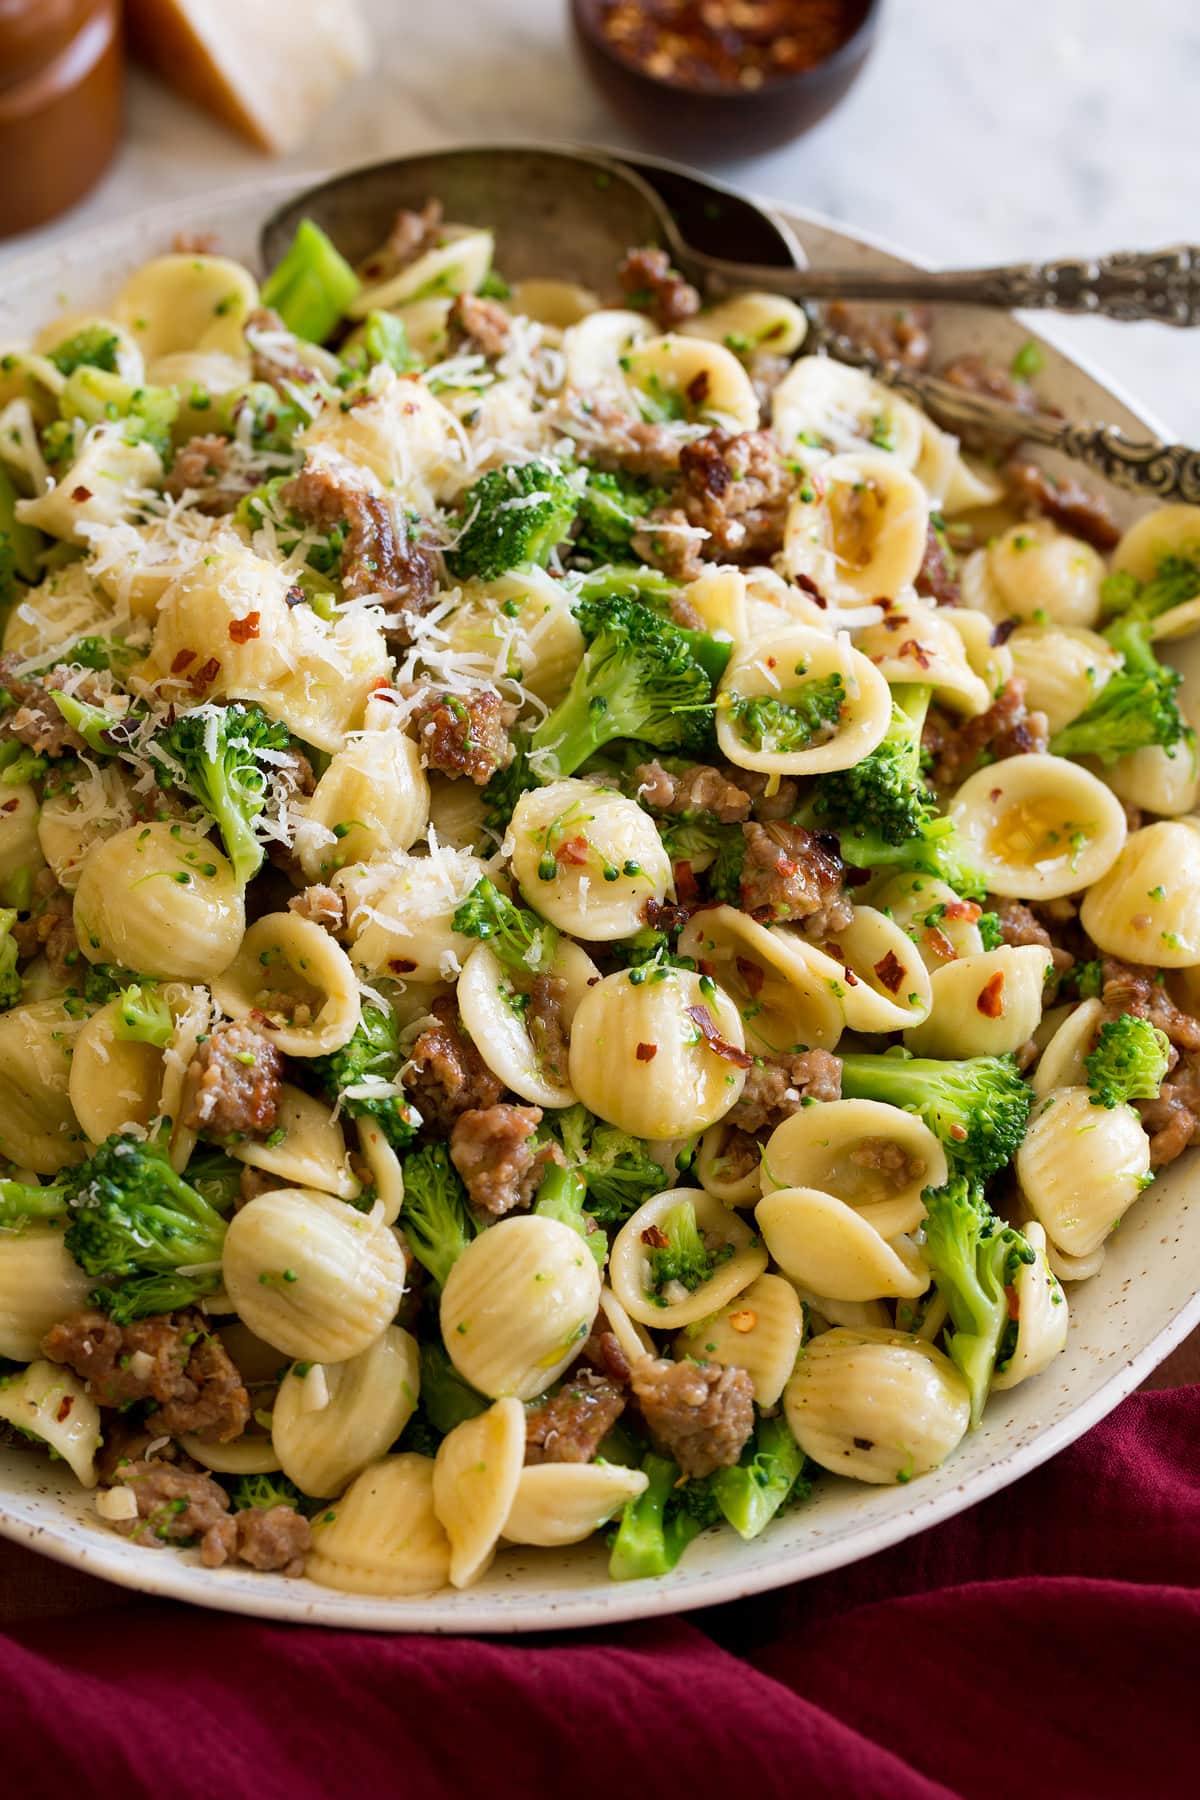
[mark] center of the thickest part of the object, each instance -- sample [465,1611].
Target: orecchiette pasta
[783,990]
[294,978]
[1145,907]
[49,1402]
[564,1503]
[833,1249]
[372,799]
[876,1158]
[1039,827]
[475,1481]
[800,703]
[368,1400]
[496,1013]
[985,1005]
[669,1305]
[1041,1316]
[38,1127]
[858,529]
[760,1330]
[876,1405]
[383,1536]
[400,912]
[587,859]
[161,899]
[1081,1167]
[40,1283]
[306,1147]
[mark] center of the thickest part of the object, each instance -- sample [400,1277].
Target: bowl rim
[103,1553]
[796,80]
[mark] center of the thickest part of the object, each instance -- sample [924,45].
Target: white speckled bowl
[1122,1324]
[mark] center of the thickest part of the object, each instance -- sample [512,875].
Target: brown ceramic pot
[60,104]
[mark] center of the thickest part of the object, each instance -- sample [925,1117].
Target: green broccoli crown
[638,679]
[98,727]
[886,791]
[1176,580]
[148,1296]
[978,1108]
[974,1259]
[274,421]
[95,396]
[1129,1061]
[682,1257]
[513,515]
[804,716]
[990,933]
[95,347]
[523,942]
[216,1177]
[506,786]
[263,1492]
[10,975]
[435,1216]
[655,1529]
[618,1170]
[225,762]
[768,1476]
[1137,707]
[611,508]
[133,1215]
[111,654]
[446,1399]
[143,1016]
[101,981]
[937,849]
[363,1075]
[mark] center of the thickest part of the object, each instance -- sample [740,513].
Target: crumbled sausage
[696,789]
[233,1082]
[379,555]
[901,336]
[669,541]
[936,577]
[572,1424]
[735,488]
[172,1361]
[275,352]
[1019,924]
[777,1087]
[1005,729]
[446,1074]
[614,439]
[480,325]
[1140,990]
[322,904]
[174,1506]
[1076,509]
[32,718]
[700,1413]
[49,929]
[603,1351]
[791,873]
[547,1026]
[203,470]
[411,235]
[494,1149]
[463,733]
[272,1537]
[768,800]
[649,282]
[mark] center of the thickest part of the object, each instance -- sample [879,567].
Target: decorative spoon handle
[1144,466]
[1161,285]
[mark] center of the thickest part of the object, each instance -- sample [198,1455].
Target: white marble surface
[977,133]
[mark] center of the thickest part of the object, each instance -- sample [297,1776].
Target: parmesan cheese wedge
[268,70]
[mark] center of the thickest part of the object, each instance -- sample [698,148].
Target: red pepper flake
[994,794]
[1014,1302]
[646,1052]
[64,1408]
[890,971]
[709,45]
[938,944]
[10,806]
[918,652]
[807,584]
[716,1043]
[959,1133]
[401,965]
[242,630]
[205,675]
[966,910]
[182,659]
[751,974]
[655,1238]
[991,996]
[263,1020]
[81,494]
[744,1320]
[575,852]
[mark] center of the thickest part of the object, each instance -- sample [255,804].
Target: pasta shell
[876,1405]
[20,832]
[372,799]
[1042,1318]
[98,489]
[783,665]
[116,1082]
[518,1304]
[40,1283]
[727,1165]
[1061,1062]
[684,367]
[387,1176]
[759,1331]
[629,1265]
[784,993]
[251,1454]
[370,1400]
[864,1152]
[400,914]
[1063,668]
[456,265]
[1081,1167]
[161,899]
[486,998]
[563,1503]
[311,1275]
[38,1127]
[383,1536]
[1145,907]
[70,823]
[187,302]
[984,1005]
[51,1403]
[1038,827]
[298,983]
[587,859]
[1041,573]
[940,924]
[306,1149]
[863,531]
[475,1481]
[823,408]
[876,972]
[826,1246]
[518,627]
[750,322]
[917,642]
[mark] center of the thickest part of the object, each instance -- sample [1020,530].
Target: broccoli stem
[312,286]
[561,1196]
[770,1472]
[652,1535]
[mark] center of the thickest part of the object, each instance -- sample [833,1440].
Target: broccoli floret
[978,1108]
[659,594]
[617,1168]
[806,715]
[937,849]
[18,764]
[101,981]
[657,1527]
[684,1258]
[524,943]
[637,679]
[92,652]
[312,285]
[886,792]
[143,1016]
[446,1399]
[95,347]
[94,396]
[506,786]
[974,1258]
[1176,580]
[513,515]
[370,1060]
[611,508]
[1128,1062]
[227,770]
[216,1177]
[264,1492]
[20,1202]
[1137,706]
[768,1476]
[990,934]
[561,1196]
[98,727]
[274,421]
[134,1217]
[10,975]
[435,1215]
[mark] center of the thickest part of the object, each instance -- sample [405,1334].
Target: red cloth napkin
[1048,1642]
